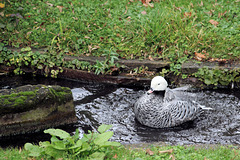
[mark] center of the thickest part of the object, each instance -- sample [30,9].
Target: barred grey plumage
[163,107]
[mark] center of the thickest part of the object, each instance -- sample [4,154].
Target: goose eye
[158,83]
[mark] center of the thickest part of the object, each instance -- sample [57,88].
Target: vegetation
[172,30]
[96,145]
[92,145]
[218,76]
[167,30]
[21,99]
[149,153]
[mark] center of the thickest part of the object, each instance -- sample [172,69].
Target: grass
[172,30]
[151,153]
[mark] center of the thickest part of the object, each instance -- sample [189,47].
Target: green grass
[179,152]
[172,30]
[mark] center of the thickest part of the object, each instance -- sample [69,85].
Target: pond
[111,104]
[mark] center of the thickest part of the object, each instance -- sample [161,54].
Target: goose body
[162,107]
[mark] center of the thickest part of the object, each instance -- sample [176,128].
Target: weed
[218,76]
[92,145]
[108,65]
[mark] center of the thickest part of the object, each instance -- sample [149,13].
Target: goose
[162,107]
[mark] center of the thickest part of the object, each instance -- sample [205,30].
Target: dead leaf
[115,156]
[150,58]
[143,1]
[147,3]
[69,53]
[20,150]
[144,12]
[105,3]
[95,47]
[210,13]
[178,8]
[60,8]
[217,60]
[213,22]
[148,151]
[221,14]
[187,14]
[75,18]
[199,56]
[28,33]
[50,4]
[172,156]
[166,151]
[126,10]
[2,5]
[201,4]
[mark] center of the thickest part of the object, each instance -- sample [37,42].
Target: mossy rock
[27,97]
[32,108]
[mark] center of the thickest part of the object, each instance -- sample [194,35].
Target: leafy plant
[76,64]
[92,145]
[218,76]
[48,63]
[108,65]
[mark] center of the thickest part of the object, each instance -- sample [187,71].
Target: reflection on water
[109,104]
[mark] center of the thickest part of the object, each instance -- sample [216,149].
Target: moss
[61,93]
[17,97]
[28,93]
[14,95]
[16,101]
[20,100]
[6,101]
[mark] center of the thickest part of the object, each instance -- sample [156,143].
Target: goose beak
[150,90]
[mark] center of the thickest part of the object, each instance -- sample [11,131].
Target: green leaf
[40,66]
[77,145]
[97,156]
[237,79]
[59,145]
[108,143]
[76,135]
[207,81]
[35,151]
[58,132]
[102,138]
[44,144]
[55,153]
[103,128]
[26,49]
[54,139]
[85,147]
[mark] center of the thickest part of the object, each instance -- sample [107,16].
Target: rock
[32,108]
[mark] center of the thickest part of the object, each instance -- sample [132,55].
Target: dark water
[109,104]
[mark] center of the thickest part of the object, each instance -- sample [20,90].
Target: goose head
[158,83]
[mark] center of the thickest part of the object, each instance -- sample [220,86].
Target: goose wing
[183,111]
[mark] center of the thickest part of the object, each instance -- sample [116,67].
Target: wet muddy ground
[111,104]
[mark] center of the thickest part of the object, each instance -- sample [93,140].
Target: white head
[158,83]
